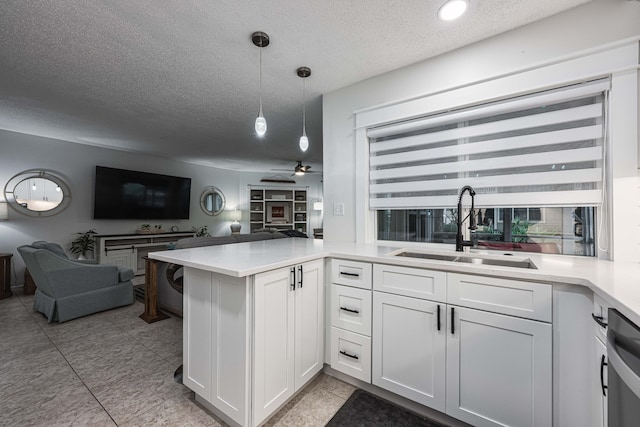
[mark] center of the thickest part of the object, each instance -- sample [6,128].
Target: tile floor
[112,368]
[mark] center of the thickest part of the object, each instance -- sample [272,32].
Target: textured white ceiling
[179,78]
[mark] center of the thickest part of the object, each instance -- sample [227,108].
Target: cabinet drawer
[351,309]
[351,354]
[351,273]
[411,282]
[512,297]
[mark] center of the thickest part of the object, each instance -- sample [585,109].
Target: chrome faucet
[460,242]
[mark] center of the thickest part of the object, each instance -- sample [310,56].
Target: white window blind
[543,149]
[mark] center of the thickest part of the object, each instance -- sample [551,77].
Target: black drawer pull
[438,316]
[602,365]
[453,321]
[344,273]
[353,356]
[599,320]
[350,310]
[293,278]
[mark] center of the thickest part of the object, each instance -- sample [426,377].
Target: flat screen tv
[125,194]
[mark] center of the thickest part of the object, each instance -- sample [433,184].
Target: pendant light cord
[304,104]
[260,79]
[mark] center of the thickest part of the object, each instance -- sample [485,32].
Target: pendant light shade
[303,73]
[261,40]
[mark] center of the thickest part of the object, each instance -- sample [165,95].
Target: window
[568,231]
[535,162]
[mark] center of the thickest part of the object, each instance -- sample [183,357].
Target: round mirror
[212,201]
[37,192]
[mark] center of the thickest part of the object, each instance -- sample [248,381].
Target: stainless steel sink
[437,257]
[519,263]
[469,259]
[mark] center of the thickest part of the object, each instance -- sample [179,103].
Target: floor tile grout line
[74,371]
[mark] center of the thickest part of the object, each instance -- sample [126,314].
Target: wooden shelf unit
[284,208]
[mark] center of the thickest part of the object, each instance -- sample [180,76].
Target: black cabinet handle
[350,310]
[453,321]
[344,273]
[293,278]
[353,356]
[300,270]
[438,316]
[599,320]
[602,365]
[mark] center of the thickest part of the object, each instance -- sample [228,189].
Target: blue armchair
[68,289]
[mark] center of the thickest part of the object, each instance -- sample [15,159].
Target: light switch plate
[338,209]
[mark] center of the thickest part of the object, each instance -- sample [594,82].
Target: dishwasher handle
[626,374]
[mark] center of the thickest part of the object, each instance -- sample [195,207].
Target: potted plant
[83,244]
[202,231]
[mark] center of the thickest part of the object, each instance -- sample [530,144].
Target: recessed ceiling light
[452,9]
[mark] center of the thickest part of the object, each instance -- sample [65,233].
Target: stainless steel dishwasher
[623,354]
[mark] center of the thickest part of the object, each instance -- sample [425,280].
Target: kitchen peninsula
[255,325]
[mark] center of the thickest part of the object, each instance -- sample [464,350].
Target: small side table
[5,275]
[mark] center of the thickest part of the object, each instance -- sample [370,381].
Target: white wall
[76,163]
[593,24]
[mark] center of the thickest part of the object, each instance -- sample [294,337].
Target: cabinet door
[408,348]
[122,258]
[309,321]
[274,376]
[599,371]
[498,369]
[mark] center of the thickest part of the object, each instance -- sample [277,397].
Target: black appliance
[623,368]
[126,194]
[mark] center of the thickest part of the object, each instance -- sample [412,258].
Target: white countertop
[617,283]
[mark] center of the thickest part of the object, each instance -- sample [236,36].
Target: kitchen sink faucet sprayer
[460,242]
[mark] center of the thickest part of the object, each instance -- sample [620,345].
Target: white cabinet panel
[196,326]
[351,273]
[411,282]
[309,321]
[351,354]
[215,343]
[599,375]
[351,309]
[274,341]
[513,297]
[409,348]
[498,369]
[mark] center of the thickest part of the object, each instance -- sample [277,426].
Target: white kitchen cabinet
[474,360]
[409,348]
[288,338]
[498,369]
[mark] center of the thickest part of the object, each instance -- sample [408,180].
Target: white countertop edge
[615,283]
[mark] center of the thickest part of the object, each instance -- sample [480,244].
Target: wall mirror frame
[212,201]
[46,178]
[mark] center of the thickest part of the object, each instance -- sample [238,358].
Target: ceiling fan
[299,170]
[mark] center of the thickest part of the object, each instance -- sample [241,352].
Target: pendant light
[261,40]
[303,73]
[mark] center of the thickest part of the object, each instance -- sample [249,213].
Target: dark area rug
[363,409]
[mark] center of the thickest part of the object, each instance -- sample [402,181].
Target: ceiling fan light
[452,9]
[299,172]
[261,125]
[304,143]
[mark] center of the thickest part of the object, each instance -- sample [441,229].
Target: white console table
[128,250]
